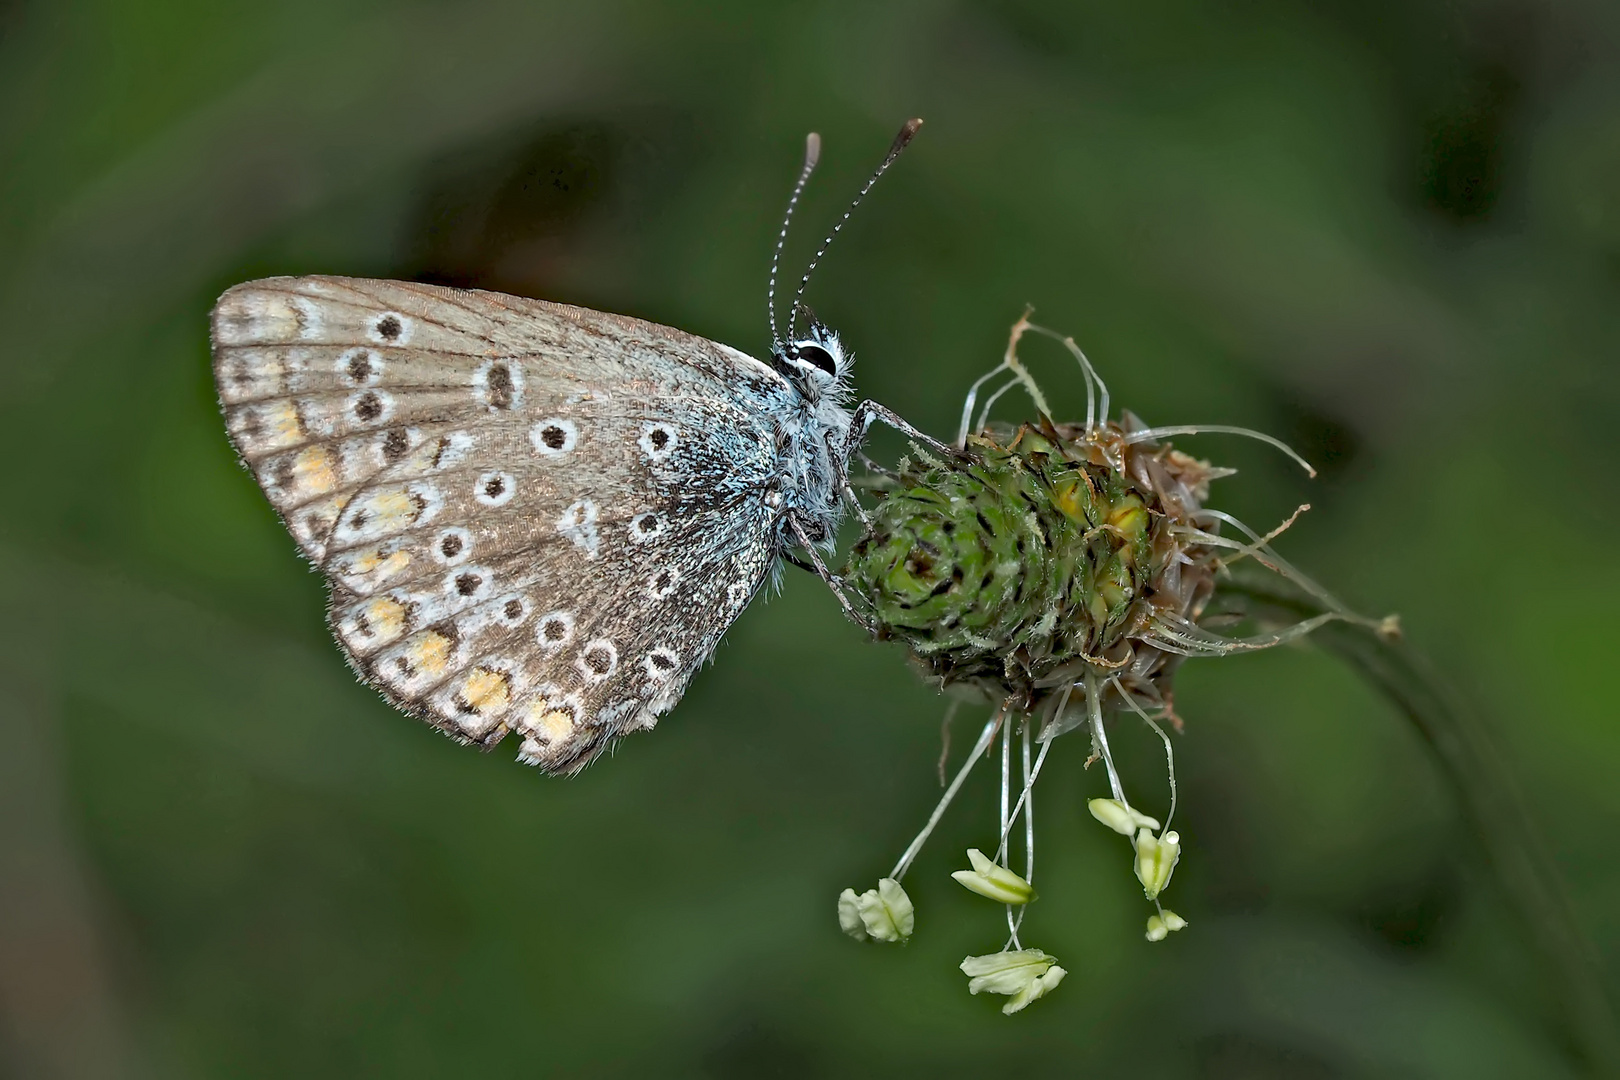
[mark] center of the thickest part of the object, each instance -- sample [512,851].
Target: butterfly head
[815,361]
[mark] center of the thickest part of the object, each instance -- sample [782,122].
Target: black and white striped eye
[815,354]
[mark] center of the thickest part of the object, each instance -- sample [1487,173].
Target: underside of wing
[533,517]
[573,639]
[328,384]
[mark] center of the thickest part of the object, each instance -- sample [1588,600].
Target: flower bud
[1119,817]
[1024,976]
[881,914]
[996,882]
[1156,860]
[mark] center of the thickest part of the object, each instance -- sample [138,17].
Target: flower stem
[900,868]
[1473,768]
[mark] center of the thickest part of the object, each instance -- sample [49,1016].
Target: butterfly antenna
[812,154]
[907,133]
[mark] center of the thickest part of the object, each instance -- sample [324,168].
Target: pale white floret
[1156,860]
[1120,817]
[1163,925]
[993,881]
[1023,975]
[881,914]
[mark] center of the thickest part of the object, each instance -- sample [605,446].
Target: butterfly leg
[860,422]
[869,410]
[794,560]
[855,504]
[833,583]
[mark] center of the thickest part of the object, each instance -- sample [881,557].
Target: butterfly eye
[814,354]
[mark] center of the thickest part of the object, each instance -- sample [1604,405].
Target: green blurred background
[1386,231]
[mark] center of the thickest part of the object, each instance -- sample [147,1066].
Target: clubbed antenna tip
[908,131]
[812,154]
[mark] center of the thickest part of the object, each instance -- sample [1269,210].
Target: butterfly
[535,519]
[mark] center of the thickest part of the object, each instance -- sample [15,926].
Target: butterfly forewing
[533,517]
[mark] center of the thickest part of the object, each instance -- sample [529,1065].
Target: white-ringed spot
[658,441]
[392,445]
[554,436]
[370,406]
[469,582]
[646,527]
[359,367]
[498,385]
[662,583]
[597,660]
[554,630]
[495,488]
[513,610]
[660,664]
[390,328]
[452,547]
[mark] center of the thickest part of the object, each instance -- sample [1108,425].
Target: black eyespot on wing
[814,354]
[395,443]
[389,327]
[501,390]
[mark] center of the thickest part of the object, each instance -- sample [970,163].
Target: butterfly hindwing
[532,517]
